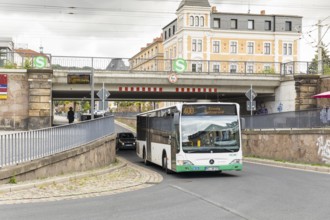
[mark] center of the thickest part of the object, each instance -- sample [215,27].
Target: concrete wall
[283,96]
[94,155]
[302,146]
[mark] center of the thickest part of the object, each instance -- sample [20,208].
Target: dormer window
[196,21]
[288,26]
[191,20]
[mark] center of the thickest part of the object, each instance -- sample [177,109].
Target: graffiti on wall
[324,149]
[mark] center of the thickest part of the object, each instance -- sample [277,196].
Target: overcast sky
[119,28]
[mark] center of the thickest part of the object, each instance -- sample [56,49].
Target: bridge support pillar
[40,98]
[306,86]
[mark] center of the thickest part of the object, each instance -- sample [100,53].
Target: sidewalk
[122,176]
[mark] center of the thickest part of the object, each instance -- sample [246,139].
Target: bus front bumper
[214,168]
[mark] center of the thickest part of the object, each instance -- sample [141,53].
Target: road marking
[209,201]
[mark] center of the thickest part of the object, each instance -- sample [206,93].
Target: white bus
[191,137]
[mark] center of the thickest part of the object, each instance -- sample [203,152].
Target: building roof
[198,3]
[27,51]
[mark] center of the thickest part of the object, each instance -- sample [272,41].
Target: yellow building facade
[150,58]
[212,41]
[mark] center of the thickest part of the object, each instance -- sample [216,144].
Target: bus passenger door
[148,139]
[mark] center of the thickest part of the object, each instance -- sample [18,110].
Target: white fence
[25,146]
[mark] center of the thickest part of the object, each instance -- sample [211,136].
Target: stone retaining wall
[299,146]
[14,111]
[97,154]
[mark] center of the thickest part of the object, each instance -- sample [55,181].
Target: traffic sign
[250,94]
[251,106]
[39,62]
[173,78]
[179,65]
[103,94]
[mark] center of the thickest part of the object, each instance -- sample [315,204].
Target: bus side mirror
[176,118]
[242,123]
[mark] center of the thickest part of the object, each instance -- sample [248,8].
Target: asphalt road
[257,193]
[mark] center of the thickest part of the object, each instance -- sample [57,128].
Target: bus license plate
[212,168]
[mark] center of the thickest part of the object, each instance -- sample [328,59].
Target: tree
[313,67]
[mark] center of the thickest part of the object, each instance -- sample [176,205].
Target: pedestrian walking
[70,115]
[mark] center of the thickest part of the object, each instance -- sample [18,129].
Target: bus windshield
[210,134]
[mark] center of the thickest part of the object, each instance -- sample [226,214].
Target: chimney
[214,9]
[262,12]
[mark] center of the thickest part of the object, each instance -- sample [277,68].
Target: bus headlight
[236,161]
[184,162]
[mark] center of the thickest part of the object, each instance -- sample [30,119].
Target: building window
[196,21]
[169,32]
[191,20]
[200,46]
[250,48]
[194,44]
[249,68]
[287,49]
[233,46]
[202,21]
[199,67]
[216,46]
[216,68]
[268,25]
[288,26]
[266,48]
[233,23]
[216,22]
[196,67]
[193,67]
[289,69]
[251,24]
[233,68]
[173,29]
[165,35]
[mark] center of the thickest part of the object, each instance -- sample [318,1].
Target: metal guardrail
[25,146]
[25,60]
[286,120]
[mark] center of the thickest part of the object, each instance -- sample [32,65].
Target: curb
[288,165]
[60,179]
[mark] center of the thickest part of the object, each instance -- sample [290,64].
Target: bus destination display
[208,110]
